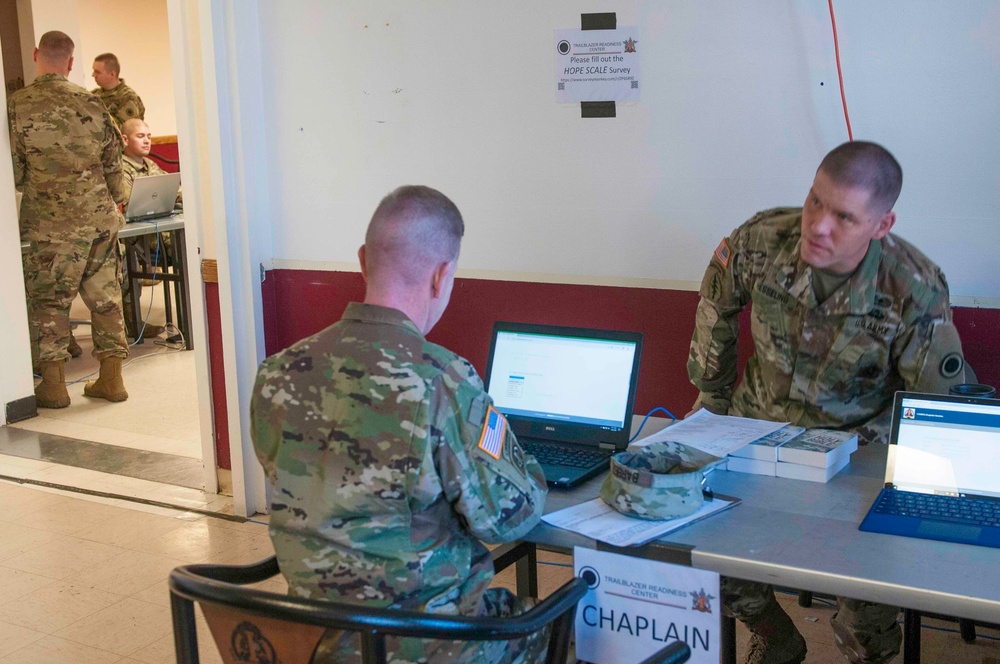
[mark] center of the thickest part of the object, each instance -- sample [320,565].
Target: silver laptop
[153,197]
[942,477]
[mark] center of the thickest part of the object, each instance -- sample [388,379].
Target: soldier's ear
[364,266]
[884,225]
[69,65]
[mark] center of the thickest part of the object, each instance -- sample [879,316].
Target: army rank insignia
[723,253]
[494,429]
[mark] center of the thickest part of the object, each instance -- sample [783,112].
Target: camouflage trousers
[54,273]
[339,646]
[865,632]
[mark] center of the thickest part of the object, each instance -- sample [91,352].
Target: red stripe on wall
[298,303]
[307,301]
[217,370]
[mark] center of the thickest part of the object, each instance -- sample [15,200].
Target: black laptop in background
[567,392]
[942,475]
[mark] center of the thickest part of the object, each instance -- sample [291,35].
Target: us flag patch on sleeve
[494,429]
[722,252]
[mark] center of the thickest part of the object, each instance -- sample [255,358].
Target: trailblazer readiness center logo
[700,600]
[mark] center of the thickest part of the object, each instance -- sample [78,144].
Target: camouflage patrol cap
[660,481]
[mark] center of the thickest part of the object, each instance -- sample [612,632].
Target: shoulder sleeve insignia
[723,253]
[494,429]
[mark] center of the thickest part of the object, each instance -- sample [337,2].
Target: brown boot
[774,639]
[109,384]
[74,348]
[51,392]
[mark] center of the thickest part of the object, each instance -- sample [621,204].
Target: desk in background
[805,535]
[176,272]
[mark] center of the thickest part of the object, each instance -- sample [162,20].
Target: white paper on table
[716,434]
[598,520]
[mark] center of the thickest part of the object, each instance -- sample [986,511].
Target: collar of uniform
[860,287]
[50,77]
[374,313]
[139,165]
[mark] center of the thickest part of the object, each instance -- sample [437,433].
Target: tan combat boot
[109,384]
[51,392]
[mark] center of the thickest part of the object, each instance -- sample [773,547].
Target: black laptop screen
[566,377]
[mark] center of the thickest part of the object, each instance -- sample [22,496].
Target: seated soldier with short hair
[388,460]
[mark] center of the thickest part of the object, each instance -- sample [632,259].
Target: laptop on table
[567,392]
[153,197]
[942,476]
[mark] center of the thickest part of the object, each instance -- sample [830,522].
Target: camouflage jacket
[67,161]
[132,170]
[122,102]
[834,364]
[372,438]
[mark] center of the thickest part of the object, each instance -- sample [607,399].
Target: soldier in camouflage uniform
[137,164]
[122,101]
[67,164]
[389,463]
[843,314]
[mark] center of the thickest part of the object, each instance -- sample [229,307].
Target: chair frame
[213,584]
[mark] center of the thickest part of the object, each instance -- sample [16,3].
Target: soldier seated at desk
[389,463]
[136,164]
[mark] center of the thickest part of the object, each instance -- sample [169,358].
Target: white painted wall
[35,18]
[135,31]
[739,103]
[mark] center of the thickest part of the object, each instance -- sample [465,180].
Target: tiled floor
[83,581]
[161,413]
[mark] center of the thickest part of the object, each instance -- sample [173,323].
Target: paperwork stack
[816,455]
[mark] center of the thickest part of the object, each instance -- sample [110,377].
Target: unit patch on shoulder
[494,430]
[723,253]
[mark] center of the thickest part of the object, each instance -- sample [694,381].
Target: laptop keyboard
[973,511]
[573,456]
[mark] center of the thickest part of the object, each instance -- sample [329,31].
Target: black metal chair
[270,628]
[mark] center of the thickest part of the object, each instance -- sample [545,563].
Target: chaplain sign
[597,65]
[637,607]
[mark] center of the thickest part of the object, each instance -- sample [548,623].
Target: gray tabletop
[805,535]
[163,225]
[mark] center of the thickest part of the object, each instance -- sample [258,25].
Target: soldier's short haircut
[413,229]
[110,62]
[869,166]
[131,125]
[56,46]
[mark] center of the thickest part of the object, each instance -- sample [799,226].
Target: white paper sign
[597,65]
[636,607]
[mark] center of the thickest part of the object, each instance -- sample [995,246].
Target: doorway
[157,445]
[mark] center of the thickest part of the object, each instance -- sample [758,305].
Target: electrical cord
[658,408]
[840,74]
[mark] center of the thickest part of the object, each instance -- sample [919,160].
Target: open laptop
[153,197]
[567,393]
[942,477]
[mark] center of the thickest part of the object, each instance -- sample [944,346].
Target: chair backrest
[251,625]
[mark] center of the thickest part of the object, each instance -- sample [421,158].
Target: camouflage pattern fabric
[376,443]
[67,161]
[67,164]
[122,102]
[834,364]
[659,481]
[54,272]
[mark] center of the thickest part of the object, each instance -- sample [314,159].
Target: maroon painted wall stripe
[302,302]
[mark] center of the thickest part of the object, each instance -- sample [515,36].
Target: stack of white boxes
[796,453]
